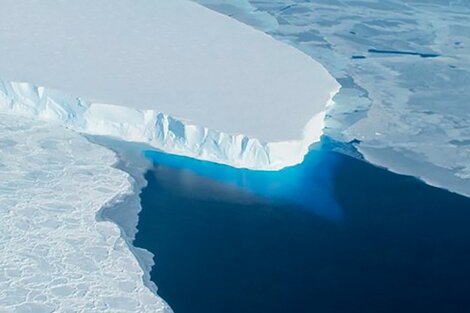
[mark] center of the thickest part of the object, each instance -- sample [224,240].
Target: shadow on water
[333,235]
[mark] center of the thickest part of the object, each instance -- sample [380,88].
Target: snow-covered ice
[227,92]
[55,256]
[407,109]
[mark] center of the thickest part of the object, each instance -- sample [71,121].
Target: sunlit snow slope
[190,81]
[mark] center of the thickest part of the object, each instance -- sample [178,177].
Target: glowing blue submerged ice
[308,185]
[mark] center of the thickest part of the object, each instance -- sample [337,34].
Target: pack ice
[55,256]
[173,74]
[404,95]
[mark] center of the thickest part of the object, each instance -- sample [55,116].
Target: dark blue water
[334,234]
[423,55]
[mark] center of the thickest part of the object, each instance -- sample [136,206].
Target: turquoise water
[334,234]
[287,185]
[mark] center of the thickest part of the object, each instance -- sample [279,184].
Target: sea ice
[56,256]
[404,68]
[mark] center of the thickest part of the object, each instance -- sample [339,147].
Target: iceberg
[173,74]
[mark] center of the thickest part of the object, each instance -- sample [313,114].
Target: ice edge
[157,129]
[144,258]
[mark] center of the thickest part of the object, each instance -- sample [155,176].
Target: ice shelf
[173,74]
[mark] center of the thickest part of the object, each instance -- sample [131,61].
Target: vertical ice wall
[157,129]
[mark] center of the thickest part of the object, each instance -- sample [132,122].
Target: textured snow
[55,256]
[174,57]
[409,113]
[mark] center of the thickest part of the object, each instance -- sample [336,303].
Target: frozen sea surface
[55,256]
[404,67]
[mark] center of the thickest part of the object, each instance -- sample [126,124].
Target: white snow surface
[229,93]
[55,256]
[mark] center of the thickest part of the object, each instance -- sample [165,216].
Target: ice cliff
[155,128]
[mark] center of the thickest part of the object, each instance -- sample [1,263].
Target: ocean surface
[334,234]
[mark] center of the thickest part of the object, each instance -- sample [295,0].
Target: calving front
[157,129]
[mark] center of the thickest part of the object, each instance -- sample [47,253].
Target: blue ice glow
[287,185]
